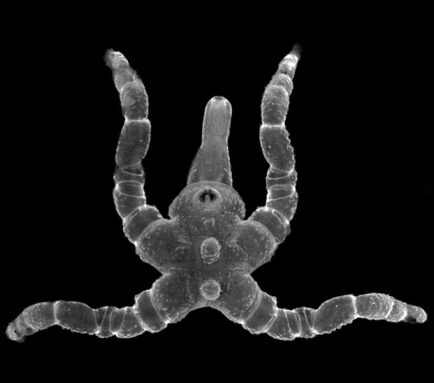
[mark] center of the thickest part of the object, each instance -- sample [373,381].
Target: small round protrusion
[210,289]
[210,250]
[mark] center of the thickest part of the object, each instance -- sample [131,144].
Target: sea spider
[206,251]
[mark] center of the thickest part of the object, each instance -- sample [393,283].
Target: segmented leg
[331,315]
[244,302]
[104,322]
[212,161]
[281,176]
[129,195]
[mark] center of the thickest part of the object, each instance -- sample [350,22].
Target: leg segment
[242,301]
[331,315]
[281,176]
[104,322]
[129,195]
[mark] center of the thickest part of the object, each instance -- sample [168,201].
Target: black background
[360,122]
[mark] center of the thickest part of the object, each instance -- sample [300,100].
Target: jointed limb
[281,176]
[129,195]
[104,322]
[245,303]
[331,315]
[169,300]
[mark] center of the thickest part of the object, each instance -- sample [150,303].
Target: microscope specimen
[206,251]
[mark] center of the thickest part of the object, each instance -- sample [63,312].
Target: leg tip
[415,314]
[12,333]
[289,64]
[422,317]
[115,59]
[296,50]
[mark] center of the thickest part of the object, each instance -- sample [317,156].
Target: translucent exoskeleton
[207,250]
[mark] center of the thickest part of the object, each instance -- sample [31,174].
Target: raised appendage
[281,176]
[129,195]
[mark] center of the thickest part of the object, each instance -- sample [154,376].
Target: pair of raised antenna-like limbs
[206,251]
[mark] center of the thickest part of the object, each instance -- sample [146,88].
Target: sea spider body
[207,250]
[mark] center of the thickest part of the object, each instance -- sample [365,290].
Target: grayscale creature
[206,251]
